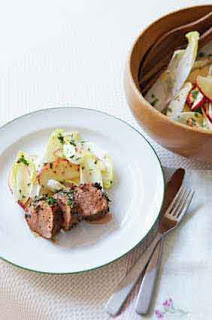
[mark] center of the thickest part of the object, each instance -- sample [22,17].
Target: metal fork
[168,222]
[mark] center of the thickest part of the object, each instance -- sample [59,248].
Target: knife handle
[123,290]
[149,280]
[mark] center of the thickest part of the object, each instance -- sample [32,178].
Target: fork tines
[180,203]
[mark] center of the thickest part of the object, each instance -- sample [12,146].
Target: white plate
[137,194]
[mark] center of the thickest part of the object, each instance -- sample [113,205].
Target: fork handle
[125,287]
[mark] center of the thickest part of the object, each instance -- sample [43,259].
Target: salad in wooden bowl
[183,92]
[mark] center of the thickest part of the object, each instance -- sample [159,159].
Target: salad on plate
[64,186]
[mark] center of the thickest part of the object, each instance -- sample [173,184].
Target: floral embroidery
[159,314]
[168,304]
[169,309]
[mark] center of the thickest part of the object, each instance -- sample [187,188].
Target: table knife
[147,287]
[129,281]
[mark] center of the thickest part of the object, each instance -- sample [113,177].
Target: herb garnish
[72,142]
[70,197]
[153,103]
[60,138]
[23,160]
[198,111]
[70,202]
[51,201]
[194,94]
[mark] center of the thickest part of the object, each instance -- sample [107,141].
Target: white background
[72,53]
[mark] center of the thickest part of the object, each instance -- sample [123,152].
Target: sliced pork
[44,218]
[90,202]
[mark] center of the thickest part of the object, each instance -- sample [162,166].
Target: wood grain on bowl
[174,39]
[186,141]
[151,70]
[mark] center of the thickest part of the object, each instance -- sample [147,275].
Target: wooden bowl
[181,139]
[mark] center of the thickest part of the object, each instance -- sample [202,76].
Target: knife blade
[147,287]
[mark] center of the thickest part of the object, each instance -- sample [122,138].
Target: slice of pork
[44,219]
[90,201]
[65,200]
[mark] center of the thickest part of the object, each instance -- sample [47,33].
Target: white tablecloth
[71,53]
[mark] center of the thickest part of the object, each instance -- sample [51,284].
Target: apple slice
[195,99]
[60,170]
[206,124]
[208,110]
[198,102]
[205,86]
[192,96]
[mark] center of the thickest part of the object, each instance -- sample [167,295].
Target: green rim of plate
[150,229]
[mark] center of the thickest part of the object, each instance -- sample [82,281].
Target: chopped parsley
[72,142]
[23,160]
[71,202]
[70,196]
[153,103]
[194,94]
[98,185]
[193,122]
[198,111]
[60,138]
[51,201]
